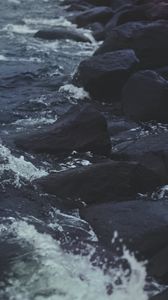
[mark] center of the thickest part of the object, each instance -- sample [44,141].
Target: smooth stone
[142,225]
[105,75]
[150,151]
[101,14]
[83,128]
[61,33]
[101,182]
[145,97]
[148,40]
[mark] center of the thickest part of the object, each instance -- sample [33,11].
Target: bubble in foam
[53,274]
[74,92]
[21,168]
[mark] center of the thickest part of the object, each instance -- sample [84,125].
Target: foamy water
[53,274]
[21,168]
[74,92]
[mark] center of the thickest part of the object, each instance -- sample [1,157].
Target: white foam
[61,21]
[3,58]
[37,121]
[22,29]
[30,59]
[75,92]
[14,1]
[21,168]
[52,274]
[59,219]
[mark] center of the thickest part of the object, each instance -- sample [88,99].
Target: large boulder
[157,266]
[106,181]
[105,75]
[148,40]
[100,14]
[82,128]
[62,33]
[142,224]
[145,97]
[151,151]
[147,12]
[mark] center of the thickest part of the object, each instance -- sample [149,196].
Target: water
[35,91]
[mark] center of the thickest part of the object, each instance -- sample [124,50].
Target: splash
[74,92]
[21,168]
[53,274]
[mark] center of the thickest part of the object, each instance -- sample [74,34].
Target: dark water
[35,92]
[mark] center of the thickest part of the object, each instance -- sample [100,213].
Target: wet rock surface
[61,33]
[82,129]
[106,181]
[105,75]
[148,40]
[141,224]
[145,97]
[101,14]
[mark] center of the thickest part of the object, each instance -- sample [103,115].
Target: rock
[148,40]
[101,182]
[82,128]
[119,125]
[117,4]
[146,12]
[163,72]
[161,296]
[97,31]
[142,224]
[62,33]
[100,14]
[114,20]
[151,151]
[145,97]
[105,75]
[158,268]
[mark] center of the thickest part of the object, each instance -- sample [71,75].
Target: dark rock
[142,224]
[62,33]
[148,40]
[145,97]
[161,296]
[117,4]
[120,125]
[107,181]
[79,7]
[157,266]
[147,12]
[96,14]
[163,72]
[97,31]
[114,20]
[82,128]
[100,2]
[151,151]
[105,75]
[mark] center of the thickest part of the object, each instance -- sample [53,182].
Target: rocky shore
[122,127]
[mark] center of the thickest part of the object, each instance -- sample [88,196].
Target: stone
[105,75]
[148,40]
[61,33]
[101,14]
[82,129]
[101,182]
[141,224]
[150,150]
[145,97]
